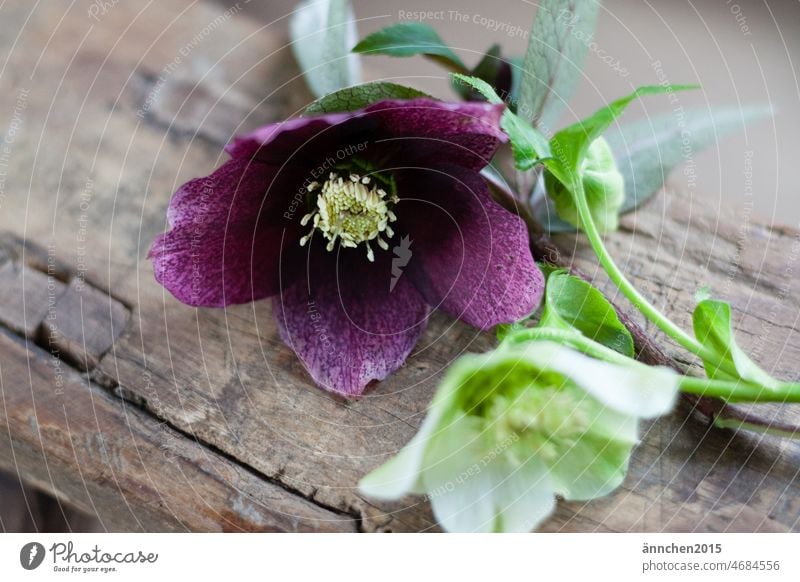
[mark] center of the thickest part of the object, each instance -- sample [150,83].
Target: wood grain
[83,324]
[120,465]
[203,419]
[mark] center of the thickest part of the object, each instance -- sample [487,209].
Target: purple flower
[357,225]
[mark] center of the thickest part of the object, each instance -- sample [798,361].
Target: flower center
[352,210]
[545,420]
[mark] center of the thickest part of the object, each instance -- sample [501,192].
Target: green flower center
[541,419]
[352,210]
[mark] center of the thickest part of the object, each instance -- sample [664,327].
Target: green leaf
[572,303]
[358,97]
[713,328]
[570,145]
[408,39]
[648,150]
[553,62]
[322,32]
[479,85]
[528,145]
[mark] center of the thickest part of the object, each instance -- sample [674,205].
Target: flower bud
[603,184]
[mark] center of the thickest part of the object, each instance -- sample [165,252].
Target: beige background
[697,41]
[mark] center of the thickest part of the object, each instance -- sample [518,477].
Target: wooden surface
[154,416]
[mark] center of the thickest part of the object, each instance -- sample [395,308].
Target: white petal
[401,474]
[458,484]
[524,496]
[592,468]
[612,424]
[637,390]
[467,507]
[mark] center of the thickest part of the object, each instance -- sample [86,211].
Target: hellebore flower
[510,429]
[603,184]
[357,224]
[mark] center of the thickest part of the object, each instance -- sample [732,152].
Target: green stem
[572,338]
[739,424]
[733,391]
[730,391]
[639,302]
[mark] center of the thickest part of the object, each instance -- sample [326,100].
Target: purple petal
[225,238]
[434,132]
[414,132]
[470,256]
[215,267]
[345,325]
[285,137]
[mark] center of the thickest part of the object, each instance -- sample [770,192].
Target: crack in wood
[42,300]
[47,336]
[141,404]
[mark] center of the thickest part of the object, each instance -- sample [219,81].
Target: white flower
[509,430]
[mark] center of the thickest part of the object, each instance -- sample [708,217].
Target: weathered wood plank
[132,472]
[56,309]
[25,294]
[83,324]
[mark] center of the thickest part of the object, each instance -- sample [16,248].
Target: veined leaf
[571,143]
[322,33]
[553,62]
[572,303]
[713,328]
[359,96]
[516,81]
[648,150]
[528,145]
[408,39]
